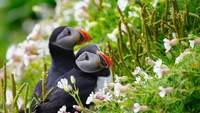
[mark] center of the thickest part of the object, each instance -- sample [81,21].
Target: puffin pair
[61,44]
[89,66]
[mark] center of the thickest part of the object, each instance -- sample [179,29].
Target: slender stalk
[162,25]
[36,98]
[155,32]
[30,107]
[47,94]
[111,56]
[174,15]
[119,43]
[3,97]
[44,77]
[16,98]
[128,32]
[187,16]
[25,97]
[166,10]
[145,30]
[4,86]
[14,90]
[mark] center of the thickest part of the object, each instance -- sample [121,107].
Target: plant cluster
[154,46]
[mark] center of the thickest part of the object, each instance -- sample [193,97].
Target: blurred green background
[16,21]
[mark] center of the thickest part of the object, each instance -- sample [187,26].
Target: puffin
[61,44]
[90,63]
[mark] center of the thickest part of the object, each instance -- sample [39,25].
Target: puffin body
[90,64]
[61,44]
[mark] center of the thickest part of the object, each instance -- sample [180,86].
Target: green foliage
[139,44]
[14,14]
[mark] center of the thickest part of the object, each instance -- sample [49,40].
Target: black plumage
[61,44]
[86,80]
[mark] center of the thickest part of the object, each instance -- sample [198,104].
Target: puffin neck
[60,56]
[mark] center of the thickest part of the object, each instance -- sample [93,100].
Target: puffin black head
[67,37]
[90,59]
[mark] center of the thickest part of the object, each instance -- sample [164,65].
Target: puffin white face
[89,62]
[67,38]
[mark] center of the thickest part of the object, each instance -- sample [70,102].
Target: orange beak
[85,34]
[108,61]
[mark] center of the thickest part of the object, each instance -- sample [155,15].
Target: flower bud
[100,97]
[67,88]
[111,85]
[93,24]
[123,78]
[174,42]
[169,89]
[197,41]
[143,108]
[184,43]
[72,79]
[115,31]
[149,61]
[78,108]
[97,101]
[168,54]
[166,71]
[37,9]
[124,89]
[106,4]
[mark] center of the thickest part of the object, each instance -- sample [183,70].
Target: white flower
[80,5]
[67,14]
[137,71]
[122,4]
[62,109]
[132,14]
[181,56]
[99,95]
[117,78]
[157,68]
[192,42]
[26,59]
[123,28]
[62,83]
[117,89]
[79,15]
[105,96]
[10,52]
[42,48]
[158,63]
[9,98]
[158,71]
[137,79]
[136,107]
[35,32]
[90,98]
[80,12]
[174,35]
[162,92]
[155,3]
[90,25]
[167,44]
[112,37]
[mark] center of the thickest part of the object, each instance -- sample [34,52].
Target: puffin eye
[68,33]
[86,57]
